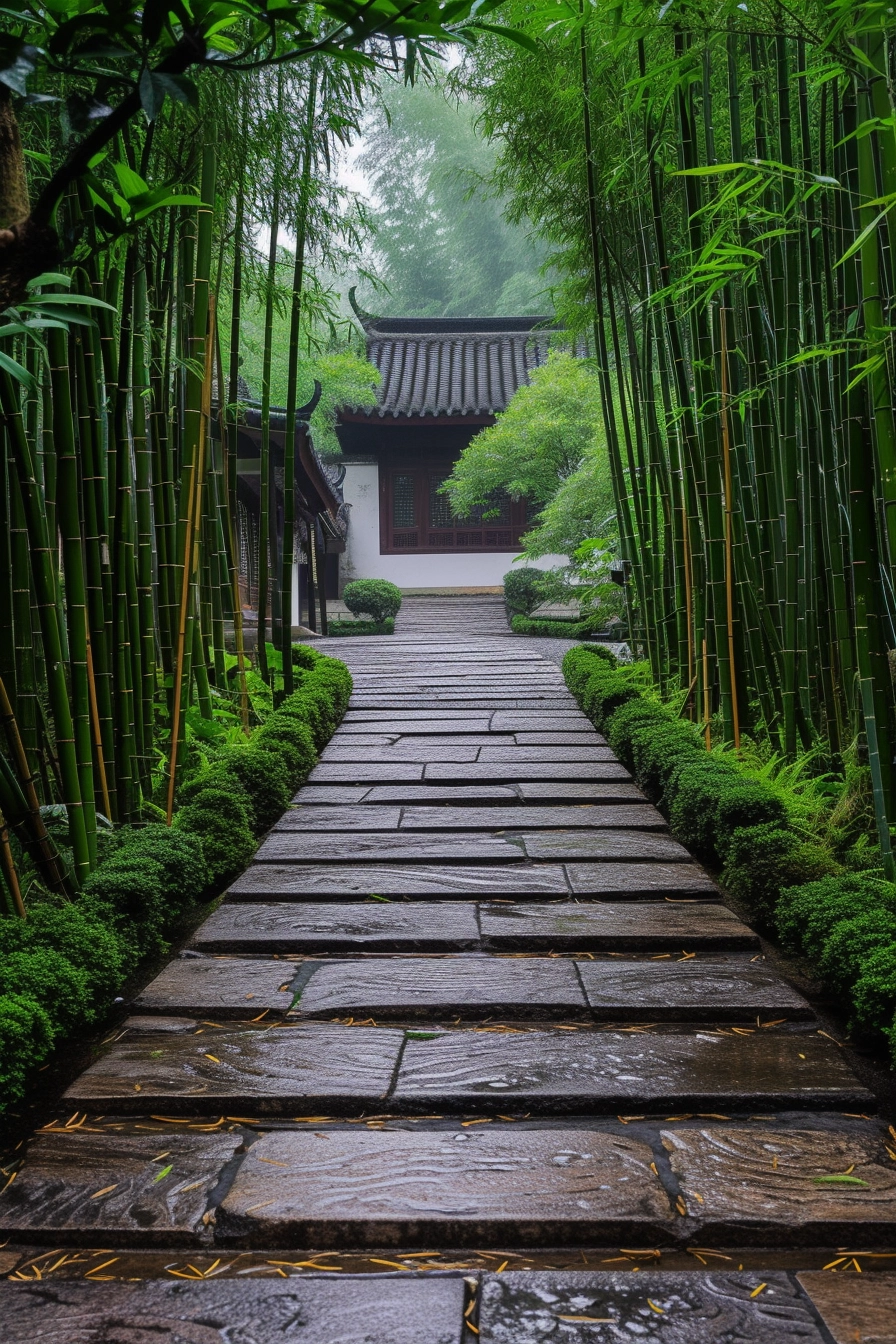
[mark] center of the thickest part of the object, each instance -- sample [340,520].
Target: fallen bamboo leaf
[839,1179]
[162,1174]
[660,1311]
[591,1320]
[214,1058]
[107,1189]
[757,1290]
[105,1265]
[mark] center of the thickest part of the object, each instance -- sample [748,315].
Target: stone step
[460,750]
[455,926]
[305,881]
[302,846]
[528,1307]
[471,794]
[316,1308]
[493,1184]
[482,1187]
[372,817]
[405,988]
[340,1070]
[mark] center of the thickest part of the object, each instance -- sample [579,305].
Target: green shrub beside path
[61,967]
[843,923]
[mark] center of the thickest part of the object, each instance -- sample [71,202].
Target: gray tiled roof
[453,366]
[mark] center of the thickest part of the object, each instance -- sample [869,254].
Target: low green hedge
[843,924]
[386,627]
[62,966]
[528,625]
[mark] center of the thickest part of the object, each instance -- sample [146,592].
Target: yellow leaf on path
[593,1320]
[214,1059]
[660,1311]
[756,1291]
[107,1189]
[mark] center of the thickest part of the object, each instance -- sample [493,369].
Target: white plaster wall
[362,558]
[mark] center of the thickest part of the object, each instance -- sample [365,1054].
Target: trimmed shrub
[305,657]
[221,822]
[743,803]
[760,861]
[313,710]
[337,628]
[263,777]
[692,791]
[657,750]
[291,740]
[553,629]
[874,994]
[376,598]
[523,590]
[50,979]
[850,944]
[622,726]
[806,915]
[218,779]
[131,895]
[89,944]
[26,1038]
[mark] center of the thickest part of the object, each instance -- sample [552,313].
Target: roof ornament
[304,413]
[366,319]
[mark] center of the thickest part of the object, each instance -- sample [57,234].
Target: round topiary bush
[51,980]
[377,598]
[264,778]
[523,590]
[26,1036]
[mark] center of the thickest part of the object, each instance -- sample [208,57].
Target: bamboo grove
[728,223]
[120,392]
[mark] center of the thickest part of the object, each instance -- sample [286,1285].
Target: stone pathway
[473,1050]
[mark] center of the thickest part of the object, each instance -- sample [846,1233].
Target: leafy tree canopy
[549,434]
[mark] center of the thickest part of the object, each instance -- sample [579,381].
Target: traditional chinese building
[443,380]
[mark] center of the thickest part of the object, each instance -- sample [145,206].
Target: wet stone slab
[697,991]
[594,927]
[349,749]
[559,738]
[529,1307]
[298,882]
[522,754]
[768,1186]
[681,880]
[337,795]
[317,818]
[229,987]
[483,1186]
[114,1189]
[524,770]
[635,846]
[386,847]
[404,727]
[310,1309]
[855,1311]
[616,816]
[571,791]
[383,926]
[408,987]
[471,795]
[380,772]
[556,721]
[559,1072]
[281,1070]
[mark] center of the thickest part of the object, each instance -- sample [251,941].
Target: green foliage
[548,428]
[337,628]
[525,625]
[377,598]
[761,861]
[305,657]
[263,778]
[26,1038]
[874,994]
[599,689]
[291,740]
[806,915]
[75,932]
[225,833]
[849,946]
[442,245]
[50,979]
[523,590]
